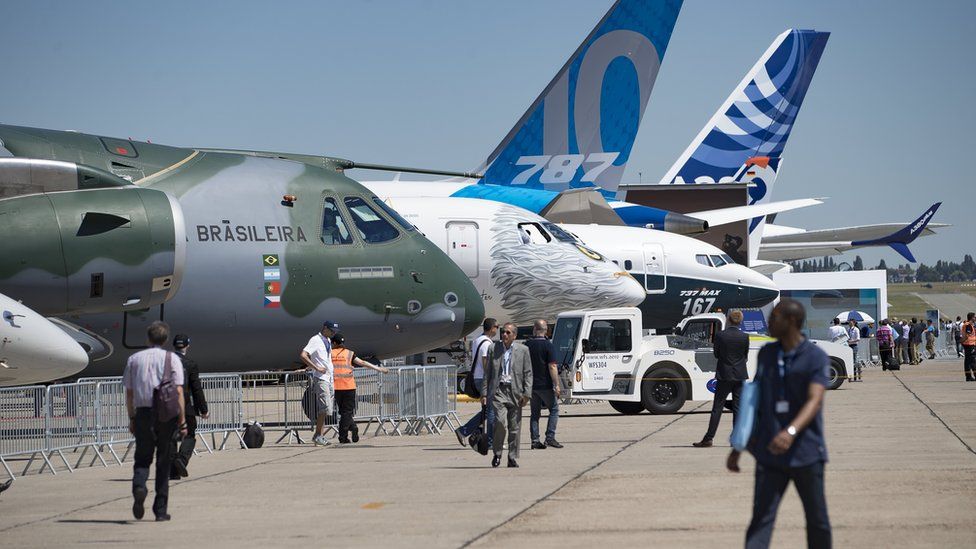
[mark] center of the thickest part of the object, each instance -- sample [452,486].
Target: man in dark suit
[731,350]
[508,383]
[196,404]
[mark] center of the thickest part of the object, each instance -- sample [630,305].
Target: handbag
[745,420]
[471,388]
[479,439]
[166,397]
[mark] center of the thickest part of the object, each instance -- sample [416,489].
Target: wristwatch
[791,430]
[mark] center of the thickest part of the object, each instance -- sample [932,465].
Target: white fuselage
[522,270]
[33,349]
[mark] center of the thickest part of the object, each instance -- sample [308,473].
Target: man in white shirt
[145,371]
[317,357]
[837,332]
[479,350]
[853,338]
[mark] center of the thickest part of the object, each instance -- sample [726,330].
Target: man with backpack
[886,343]
[968,336]
[153,381]
[479,350]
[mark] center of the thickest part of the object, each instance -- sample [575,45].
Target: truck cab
[609,359]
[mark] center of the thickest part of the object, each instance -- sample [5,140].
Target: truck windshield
[564,338]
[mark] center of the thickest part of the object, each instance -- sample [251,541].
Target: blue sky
[885,130]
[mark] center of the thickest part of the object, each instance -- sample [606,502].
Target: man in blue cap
[317,357]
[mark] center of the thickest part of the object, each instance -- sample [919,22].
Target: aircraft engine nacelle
[85,241]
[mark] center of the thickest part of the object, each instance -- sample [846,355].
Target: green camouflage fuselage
[257,280]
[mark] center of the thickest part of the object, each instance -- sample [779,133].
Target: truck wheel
[663,391]
[627,408]
[836,373]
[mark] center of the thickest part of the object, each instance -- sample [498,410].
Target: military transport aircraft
[237,251]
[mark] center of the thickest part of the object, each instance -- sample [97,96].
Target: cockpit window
[334,227]
[372,227]
[533,233]
[560,234]
[394,214]
[717,260]
[728,259]
[703,259]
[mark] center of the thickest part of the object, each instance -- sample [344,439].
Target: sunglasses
[507,332]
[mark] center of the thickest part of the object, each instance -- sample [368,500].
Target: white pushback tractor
[610,359]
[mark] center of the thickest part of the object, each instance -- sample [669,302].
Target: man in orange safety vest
[343,361]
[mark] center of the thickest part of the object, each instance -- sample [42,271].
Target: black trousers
[722,391]
[184,452]
[969,362]
[886,358]
[154,437]
[346,402]
[770,485]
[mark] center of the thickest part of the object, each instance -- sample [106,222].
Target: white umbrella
[860,316]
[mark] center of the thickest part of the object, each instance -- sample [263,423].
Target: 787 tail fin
[579,132]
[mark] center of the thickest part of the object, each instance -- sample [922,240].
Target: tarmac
[902,473]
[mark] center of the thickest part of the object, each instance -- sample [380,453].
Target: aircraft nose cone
[474,309]
[630,292]
[762,290]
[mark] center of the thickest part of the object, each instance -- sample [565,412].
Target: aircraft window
[610,336]
[615,262]
[334,227]
[560,234]
[533,233]
[717,260]
[394,214]
[728,259]
[628,264]
[703,259]
[372,227]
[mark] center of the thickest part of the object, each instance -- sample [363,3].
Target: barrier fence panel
[72,421]
[113,418]
[225,410]
[23,412]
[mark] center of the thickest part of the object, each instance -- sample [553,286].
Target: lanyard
[782,363]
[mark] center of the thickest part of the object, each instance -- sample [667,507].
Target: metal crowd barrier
[89,417]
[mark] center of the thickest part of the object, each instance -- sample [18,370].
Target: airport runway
[902,474]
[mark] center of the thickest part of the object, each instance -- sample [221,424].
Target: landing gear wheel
[836,374]
[627,408]
[663,391]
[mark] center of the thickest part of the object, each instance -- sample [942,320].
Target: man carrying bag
[474,380]
[153,381]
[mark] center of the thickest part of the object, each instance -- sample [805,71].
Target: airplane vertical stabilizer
[579,132]
[756,120]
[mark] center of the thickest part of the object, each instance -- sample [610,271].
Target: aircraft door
[655,269]
[610,351]
[462,246]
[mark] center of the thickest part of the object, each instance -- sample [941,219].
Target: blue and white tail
[744,140]
[579,132]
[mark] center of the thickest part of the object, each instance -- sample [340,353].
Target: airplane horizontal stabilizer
[740,213]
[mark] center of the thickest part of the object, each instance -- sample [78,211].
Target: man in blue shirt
[788,438]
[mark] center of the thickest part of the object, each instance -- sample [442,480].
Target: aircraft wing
[792,244]
[742,213]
